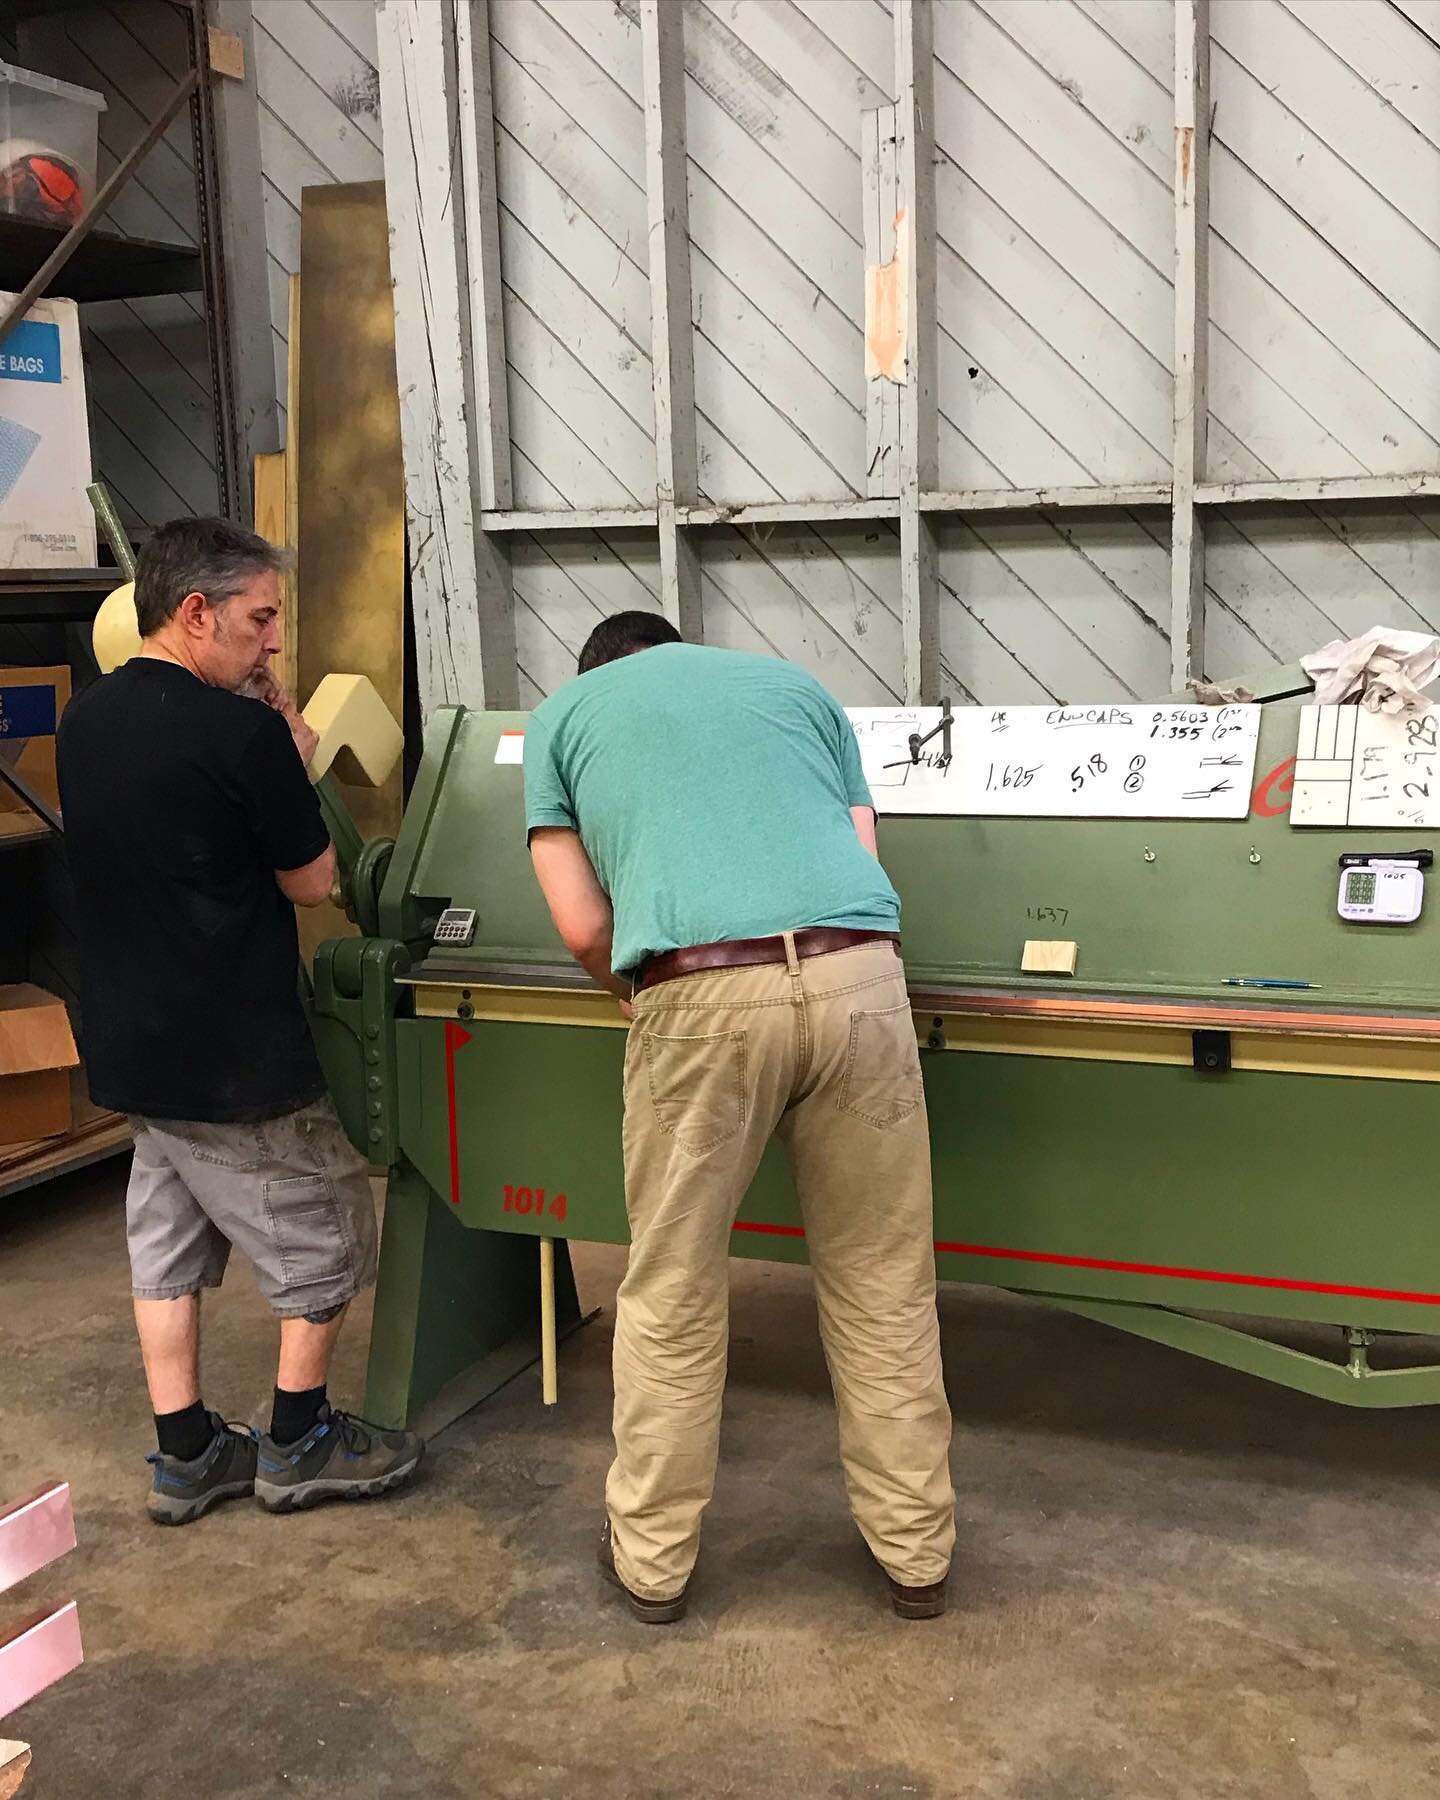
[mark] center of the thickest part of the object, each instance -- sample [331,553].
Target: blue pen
[1261,981]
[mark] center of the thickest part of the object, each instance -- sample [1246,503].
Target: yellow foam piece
[358,734]
[357,731]
[116,633]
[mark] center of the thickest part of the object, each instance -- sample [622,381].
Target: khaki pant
[822,1051]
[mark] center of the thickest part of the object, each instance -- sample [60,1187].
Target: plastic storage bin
[48,130]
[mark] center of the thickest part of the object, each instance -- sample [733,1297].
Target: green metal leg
[457,1312]
[1352,1383]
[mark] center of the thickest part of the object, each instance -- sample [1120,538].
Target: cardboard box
[31,702]
[46,521]
[37,1053]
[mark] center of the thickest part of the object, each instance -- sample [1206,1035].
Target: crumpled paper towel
[1209,693]
[1385,670]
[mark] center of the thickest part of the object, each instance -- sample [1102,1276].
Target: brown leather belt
[740,953]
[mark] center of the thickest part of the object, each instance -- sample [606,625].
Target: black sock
[184,1434]
[295,1414]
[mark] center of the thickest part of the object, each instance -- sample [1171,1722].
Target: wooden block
[270,494]
[227,53]
[290,649]
[14,1761]
[273,522]
[1049,956]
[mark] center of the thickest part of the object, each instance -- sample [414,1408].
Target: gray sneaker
[340,1458]
[224,1470]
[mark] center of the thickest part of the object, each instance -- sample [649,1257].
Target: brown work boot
[919,1602]
[650,1612]
[915,1602]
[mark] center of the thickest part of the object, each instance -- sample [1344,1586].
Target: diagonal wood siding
[319,96]
[1054,174]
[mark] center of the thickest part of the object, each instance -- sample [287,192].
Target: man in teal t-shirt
[704,836]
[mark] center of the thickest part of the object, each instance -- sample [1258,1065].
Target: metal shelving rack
[87,263]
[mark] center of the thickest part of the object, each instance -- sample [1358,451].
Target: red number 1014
[533,1200]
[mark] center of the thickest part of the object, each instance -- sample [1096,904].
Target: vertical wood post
[461,595]
[919,413]
[881,202]
[476,120]
[1192,331]
[237,128]
[662,46]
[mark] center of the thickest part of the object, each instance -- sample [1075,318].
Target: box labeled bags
[31,702]
[46,521]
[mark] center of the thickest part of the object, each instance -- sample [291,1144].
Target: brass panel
[1065,1040]
[1375,1059]
[350,476]
[517,1005]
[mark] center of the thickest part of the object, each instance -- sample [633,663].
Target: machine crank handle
[918,743]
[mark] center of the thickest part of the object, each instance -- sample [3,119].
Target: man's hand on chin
[305,738]
[264,685]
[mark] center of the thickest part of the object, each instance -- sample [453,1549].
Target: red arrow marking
[456,1037]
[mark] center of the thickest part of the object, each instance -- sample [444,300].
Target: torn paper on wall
[886,286]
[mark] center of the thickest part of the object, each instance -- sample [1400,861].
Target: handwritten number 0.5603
[533,1200]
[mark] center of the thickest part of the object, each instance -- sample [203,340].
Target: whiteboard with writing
[1354,767]
[1090,762]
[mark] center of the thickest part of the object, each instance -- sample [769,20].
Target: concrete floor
[1172,1581]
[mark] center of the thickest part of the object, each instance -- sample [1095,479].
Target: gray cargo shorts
[291,1193]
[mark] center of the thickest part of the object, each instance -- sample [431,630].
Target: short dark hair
[197,556]
[624,633]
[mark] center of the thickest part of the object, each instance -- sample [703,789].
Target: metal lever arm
[918,743]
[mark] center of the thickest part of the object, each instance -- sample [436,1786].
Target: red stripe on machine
[456,1037]
[1115,1267]
[1223,1275]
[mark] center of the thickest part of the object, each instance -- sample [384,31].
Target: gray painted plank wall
[1053,124]
[319,98]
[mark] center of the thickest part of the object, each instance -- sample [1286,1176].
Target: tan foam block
[357,731]
[115,636]
[14,1761]
[1049,956]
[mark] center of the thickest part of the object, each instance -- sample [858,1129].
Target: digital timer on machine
[1383,889]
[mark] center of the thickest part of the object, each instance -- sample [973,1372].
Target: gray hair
[197,556]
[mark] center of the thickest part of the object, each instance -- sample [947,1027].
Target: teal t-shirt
[712,790]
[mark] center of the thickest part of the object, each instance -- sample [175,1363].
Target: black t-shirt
[180,802]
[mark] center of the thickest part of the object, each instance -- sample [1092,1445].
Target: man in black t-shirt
[192,833]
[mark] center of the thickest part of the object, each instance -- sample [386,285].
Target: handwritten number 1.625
[1010,775]
[532,1200]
